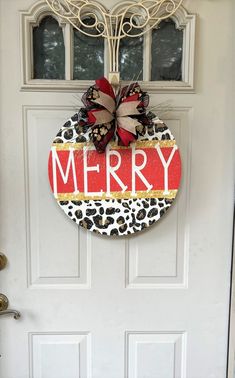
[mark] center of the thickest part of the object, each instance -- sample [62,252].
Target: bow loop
[128,108]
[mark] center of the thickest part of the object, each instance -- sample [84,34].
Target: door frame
[231,328]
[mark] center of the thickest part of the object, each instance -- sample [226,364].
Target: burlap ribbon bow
[111,116]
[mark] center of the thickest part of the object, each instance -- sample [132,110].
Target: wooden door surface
[154,305]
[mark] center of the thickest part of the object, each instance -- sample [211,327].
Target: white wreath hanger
[127,19]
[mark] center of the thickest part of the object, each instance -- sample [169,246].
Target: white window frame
[33,17]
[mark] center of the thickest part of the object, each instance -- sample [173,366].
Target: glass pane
[88,55]
[48,50]
[167,47]
[131,57]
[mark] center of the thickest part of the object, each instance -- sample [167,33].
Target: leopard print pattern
[114,216]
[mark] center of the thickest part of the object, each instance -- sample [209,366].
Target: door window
[166,52]
[88,55]
[48,50]
[64,57]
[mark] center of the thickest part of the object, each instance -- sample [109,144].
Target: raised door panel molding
[158,258]
[156,354]
[32,17]
[60,355]
[58,251]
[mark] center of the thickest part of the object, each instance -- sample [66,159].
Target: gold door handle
[3,261]
[4,308]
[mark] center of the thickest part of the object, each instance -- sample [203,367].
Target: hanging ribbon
[111,116]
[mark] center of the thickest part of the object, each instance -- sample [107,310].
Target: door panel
[164,264]
[153,305]
[52,261]
[60,355]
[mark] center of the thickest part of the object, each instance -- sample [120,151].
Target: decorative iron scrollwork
[126,19]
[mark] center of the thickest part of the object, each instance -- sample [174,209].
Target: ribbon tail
[128,124]
[101,135]
[101,145]
[125,137]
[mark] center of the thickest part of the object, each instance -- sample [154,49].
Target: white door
[154,305]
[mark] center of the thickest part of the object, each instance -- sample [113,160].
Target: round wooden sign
[121,191]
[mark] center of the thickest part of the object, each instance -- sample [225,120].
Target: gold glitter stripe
[138,144]
[117,195]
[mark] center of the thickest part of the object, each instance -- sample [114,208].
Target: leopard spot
[153,202]
[141,214]
[67,124]
[102,222]
[114,231]
[58,140]
[110,220]
[77,203]
[81,139]
[78,129]
[78,214]
[162,212]
[74,118]
[64,203]
[145,204]
[99,221]
[123,228]
[86,223]
[160,129]
[90,212]
[110,210]
[153,212]
[120,220]
[133,223]
[68,134]
[151,131]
